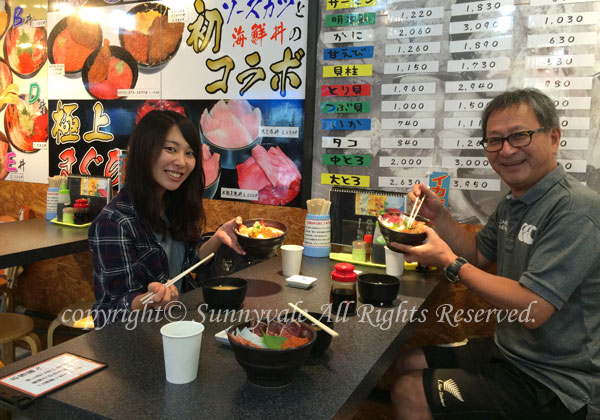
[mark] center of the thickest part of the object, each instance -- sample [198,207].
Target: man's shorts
[475,381]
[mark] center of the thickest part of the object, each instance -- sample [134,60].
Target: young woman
[151,231]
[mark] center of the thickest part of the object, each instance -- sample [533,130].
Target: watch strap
[451,272]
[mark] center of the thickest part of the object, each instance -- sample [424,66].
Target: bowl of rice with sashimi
[271,352]
[397,228]
[260,238]
[107,70]
[231,128]
[71,42]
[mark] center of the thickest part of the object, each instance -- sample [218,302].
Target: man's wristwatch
[451,272]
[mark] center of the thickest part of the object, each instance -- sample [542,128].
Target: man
[545,239]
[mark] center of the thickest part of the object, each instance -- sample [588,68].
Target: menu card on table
[22,387]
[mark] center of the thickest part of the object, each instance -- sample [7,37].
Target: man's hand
[432,207]
[433,253]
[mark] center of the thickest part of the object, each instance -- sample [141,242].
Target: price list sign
[412,79]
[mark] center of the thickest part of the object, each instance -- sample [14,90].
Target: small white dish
[221,337]
[302,282]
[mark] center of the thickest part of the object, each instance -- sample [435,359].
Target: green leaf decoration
[273,341]
[120,66]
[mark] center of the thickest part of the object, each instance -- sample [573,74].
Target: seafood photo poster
[23,92]
[238,71]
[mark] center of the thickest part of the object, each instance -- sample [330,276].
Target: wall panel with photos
[238,70]
[401,85]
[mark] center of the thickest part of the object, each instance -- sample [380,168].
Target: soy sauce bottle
[343,289]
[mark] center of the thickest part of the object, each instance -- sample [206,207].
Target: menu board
[23,92]
[402,85]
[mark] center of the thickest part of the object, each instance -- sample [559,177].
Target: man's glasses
[520,139]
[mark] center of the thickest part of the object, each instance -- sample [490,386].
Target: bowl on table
[378,289]
[270,367]
[225,292]
[261,247]
[403,237]
[323,339]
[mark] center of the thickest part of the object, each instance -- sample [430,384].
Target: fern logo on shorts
[451,388]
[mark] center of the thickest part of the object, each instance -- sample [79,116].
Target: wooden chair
[14,327]
[7,291]
[77,315]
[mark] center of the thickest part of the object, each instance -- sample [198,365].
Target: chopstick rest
[301,282]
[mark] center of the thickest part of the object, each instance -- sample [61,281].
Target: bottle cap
[63,189]
[343,272]
[369,239]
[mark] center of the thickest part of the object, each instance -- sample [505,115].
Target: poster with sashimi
[246,154]
[238,72]
[23,92]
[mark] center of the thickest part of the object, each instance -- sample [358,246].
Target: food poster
[23,92]
[237,70]
[401,86]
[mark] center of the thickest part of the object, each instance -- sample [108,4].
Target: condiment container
[51,202]
[69,215]
[378,250]
[317,235]
[368,247]
[82,211]
[64,199]
[343,289]
[359,252]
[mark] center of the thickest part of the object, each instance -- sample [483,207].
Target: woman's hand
[226,235]
[433,253]
[162,296]
[432,207]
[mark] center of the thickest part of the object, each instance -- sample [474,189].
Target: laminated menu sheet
[22,387]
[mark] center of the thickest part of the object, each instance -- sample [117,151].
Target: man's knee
[408,397]
[413,359]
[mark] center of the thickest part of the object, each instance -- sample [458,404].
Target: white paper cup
[291,256]
[394,262]
[181,346]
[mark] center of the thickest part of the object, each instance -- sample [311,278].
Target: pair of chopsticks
[315,321]
[148,297]
[415,210]
[318,206]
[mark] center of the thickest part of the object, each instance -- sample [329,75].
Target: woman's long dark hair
[183,207]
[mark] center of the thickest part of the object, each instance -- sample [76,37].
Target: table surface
[332,385]
[32,240]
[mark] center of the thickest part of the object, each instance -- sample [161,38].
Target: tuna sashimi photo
[231,124]
[272,173]
[210,165]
